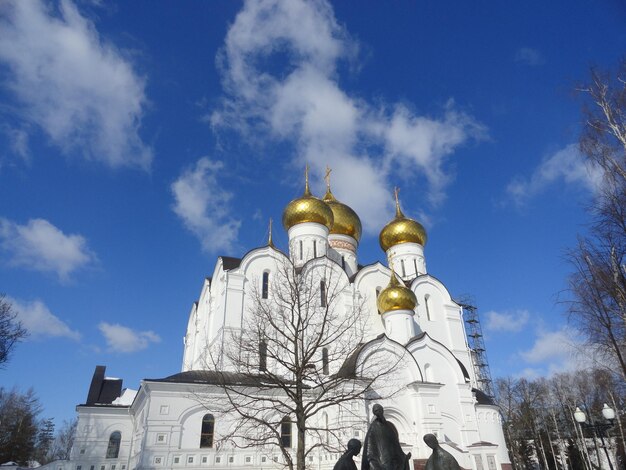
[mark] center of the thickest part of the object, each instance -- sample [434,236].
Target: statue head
[431,441]
[354,446]
[378,411]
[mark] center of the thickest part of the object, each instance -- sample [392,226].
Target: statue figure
[382,450]
[345,462]
[440,459]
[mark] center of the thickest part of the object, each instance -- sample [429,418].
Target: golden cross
[327,178]
[396,192]
[307,191]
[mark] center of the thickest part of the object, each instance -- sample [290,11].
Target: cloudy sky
[140,140]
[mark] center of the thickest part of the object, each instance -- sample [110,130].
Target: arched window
[378,289]
[343,262]
[403,268]
[300,243]
[285,432]
[415,264]
[323,293]
[113,450]
[206,434]
[266,285]
[262,356]
[426,298]
[314,248]
[325,361]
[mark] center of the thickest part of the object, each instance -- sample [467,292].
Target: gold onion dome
[346,221]
[395,297]
[401,230]
[307,208]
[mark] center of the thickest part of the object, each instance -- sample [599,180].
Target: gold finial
[327,178]
[393,281]
[307,191]
[270,242]
[399,213]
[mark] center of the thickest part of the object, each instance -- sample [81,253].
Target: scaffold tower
[477,346]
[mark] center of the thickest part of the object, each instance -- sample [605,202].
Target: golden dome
[307,208]
[346,221]
[401,230]
[395,297]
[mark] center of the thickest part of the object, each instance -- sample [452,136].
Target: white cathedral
[408,319]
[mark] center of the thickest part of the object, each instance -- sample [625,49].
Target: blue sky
[139,140]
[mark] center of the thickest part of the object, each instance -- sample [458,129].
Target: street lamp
[598,428]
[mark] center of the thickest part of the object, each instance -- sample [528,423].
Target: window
[218,459]
[263,459]
[426,298]
[102,467]
[266,285]
[231,459]
[113,450]
[79,467]
[206,435]
[415,264]
[189,459]
[113,467]
[343,263]
[491,462]
[262,356]
[285,432]
[204,459]
[165,409]
[248,459]
[160,438]
[403,268]
[300,243]
[479,462]
[82,451]
[93,467]
[325,361]
[176,459]
[323,293]
[314,248]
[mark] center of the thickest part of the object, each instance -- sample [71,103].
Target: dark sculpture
[382,450]
[440,459]
[345,462]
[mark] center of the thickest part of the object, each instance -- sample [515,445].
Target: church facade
[407,317]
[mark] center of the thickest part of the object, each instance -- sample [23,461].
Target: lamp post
[598,428]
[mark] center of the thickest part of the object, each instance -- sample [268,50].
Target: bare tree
[63,441]
[11,330]
[598,283]
[292,365]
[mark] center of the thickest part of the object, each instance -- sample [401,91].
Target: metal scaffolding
[477,347]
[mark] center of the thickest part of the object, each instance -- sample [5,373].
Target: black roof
[215,378]
[482,398]
[230,263]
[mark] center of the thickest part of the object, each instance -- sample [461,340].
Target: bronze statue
[382,450]
[345,462]
[440,459]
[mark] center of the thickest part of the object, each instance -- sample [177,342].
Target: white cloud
[302,103]
[204,206]
[555,351]
[529,56]
[18,141]
[78,88]
[122,339]
[39,321]
[506,321]
[41,246]
[567,165]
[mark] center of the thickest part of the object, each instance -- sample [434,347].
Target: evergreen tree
[18,425]
[45,438]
